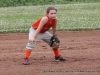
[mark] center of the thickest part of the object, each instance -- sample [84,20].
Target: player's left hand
[55,42]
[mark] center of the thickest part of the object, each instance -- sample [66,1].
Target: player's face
[52,14]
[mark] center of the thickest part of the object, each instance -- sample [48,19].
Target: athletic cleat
[59,58]
[26,61]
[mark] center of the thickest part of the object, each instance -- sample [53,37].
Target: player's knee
[30,46]
[55,48]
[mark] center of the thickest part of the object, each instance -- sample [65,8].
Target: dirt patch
[81,48]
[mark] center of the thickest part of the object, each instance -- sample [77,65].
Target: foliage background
[7,3]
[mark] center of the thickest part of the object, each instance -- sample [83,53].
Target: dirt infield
[81,48]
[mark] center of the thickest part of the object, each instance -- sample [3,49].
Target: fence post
[54,1]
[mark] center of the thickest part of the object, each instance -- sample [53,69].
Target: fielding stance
[39,31]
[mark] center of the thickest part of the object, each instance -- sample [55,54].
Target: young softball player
[39,31]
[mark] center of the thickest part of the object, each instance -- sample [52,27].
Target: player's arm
[42,23]
[54,28]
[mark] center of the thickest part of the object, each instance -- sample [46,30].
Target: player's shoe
[59,58]
[26,61]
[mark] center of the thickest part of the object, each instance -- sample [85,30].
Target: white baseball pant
[41,36]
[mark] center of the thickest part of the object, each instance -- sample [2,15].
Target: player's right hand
[31,40]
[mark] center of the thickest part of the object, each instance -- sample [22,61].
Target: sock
[56,52]
[27,53]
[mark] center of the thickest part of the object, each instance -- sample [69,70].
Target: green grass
[70,17]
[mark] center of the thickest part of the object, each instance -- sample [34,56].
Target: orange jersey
[46,27]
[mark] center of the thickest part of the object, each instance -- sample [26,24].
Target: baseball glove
[55,42]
